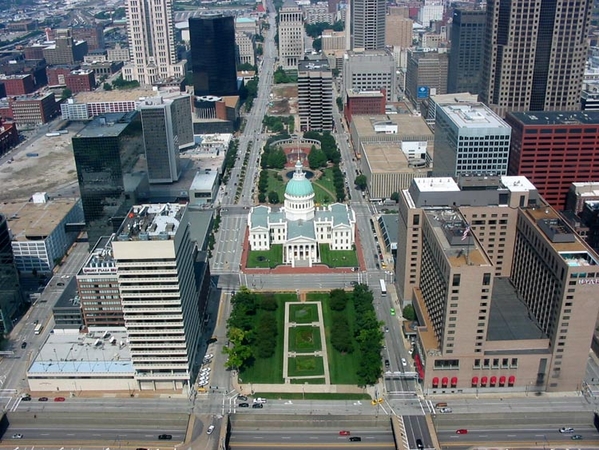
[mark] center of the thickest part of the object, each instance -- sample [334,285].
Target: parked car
[259,400]
[242,398]
[165,437]
[257,405]
[59,399]
[387,363]
[210,429]
[566,430]
[344,433]
[26,398]
[42,399]
[244,405]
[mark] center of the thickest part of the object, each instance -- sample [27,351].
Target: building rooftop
[458,244]
[472,115]
[557,117]
[509,318]
[100,261]
[407,125]
[14,77]
[104,352]
[436,184]
[388,157]
[313,65]
[107,125]
[35,221]
[204,180]
[356,93]
[114,95]
[151,222]
[517,183]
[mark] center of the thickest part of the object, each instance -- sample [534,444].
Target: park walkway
[290,354]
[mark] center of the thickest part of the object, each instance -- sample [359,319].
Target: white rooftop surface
[436,184]
[474,115]
[203,181]
[591,189]
[80,353]
[517,183]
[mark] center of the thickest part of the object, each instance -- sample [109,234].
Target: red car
[344,433]
[59,399]
[461,431]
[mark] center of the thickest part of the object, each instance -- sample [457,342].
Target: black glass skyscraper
[11,299]
[111,176]
[213,55]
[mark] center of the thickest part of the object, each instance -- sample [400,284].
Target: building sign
[588,281]
[423,92]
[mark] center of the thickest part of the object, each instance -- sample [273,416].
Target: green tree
[273,198]
[317,44]
[261,197]
[238,350]
[395,197]
[107,87]
[361,182]
[409,313]
[277,159]
[316,158]
[337,299]
[66,93]
[339,101]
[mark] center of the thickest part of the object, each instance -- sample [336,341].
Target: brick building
[33,110]
[9,136]
[364,102]
[17,84]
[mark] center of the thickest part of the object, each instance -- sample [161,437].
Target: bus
[38,329]
[383,287]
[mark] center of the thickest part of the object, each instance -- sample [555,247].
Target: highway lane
[417,428]
[86,404]
[314,439]
[86,433]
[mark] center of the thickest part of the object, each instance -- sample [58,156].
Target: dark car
[24,344]
[42,399]
[387,363]
[419,444]
[60,284]
[244,405]
[355,439]
[257,405]
[26,399]
[242,397]
[165,437]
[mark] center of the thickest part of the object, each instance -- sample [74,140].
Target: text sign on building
[588,281]
[423,92]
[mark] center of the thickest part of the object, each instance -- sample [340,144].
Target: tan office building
[504,290]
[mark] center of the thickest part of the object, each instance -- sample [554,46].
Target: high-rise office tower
[466,55]
[535,54]
[470,139]
[291,35]
[554,149]
[111,176]
[426,74]
[167,128]
[367,24]
[503,289]
[159,294]
[213,55]
[370,70]
[151,33]
[315,95]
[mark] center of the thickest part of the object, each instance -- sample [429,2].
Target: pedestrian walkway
[318,353]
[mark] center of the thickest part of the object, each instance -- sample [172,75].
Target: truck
[38,329]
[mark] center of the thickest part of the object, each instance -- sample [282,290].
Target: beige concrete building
[504,291]
[398,31]
[333,40]
[392,128]
[159,296]
[391,167]
[291,35]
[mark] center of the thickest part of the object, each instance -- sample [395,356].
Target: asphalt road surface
[313,439]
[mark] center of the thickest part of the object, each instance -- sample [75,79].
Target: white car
[210,429]
[206,369]
[566,430]
[17,436]
[404,362]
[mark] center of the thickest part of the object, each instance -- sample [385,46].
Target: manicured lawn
[270,370]
[303,313]
[324,189]
[312,396]
[307,381]
[276,185]
[306,366]
[265,259]
[304,339]
[342,367]
[338,258]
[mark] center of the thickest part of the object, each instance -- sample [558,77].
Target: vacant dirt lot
[284,100]
[51,170]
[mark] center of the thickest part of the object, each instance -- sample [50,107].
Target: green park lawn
[303,313]
[304,339]
[302,366]
[264,259]
[338,258]
[270,370]
[342,366]
[324,189]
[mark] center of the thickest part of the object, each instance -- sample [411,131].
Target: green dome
[299,188]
